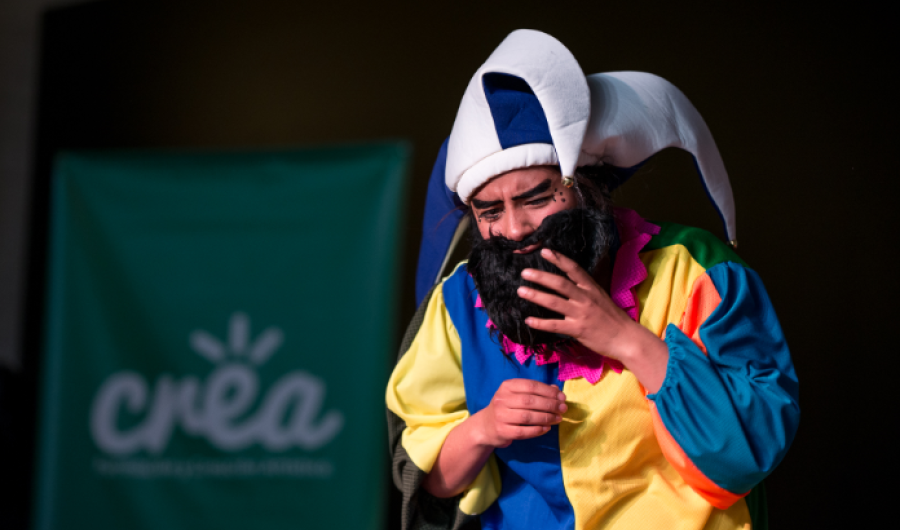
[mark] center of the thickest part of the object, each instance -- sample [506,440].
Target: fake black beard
[582,234]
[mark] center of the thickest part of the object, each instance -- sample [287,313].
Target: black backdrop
[800,102]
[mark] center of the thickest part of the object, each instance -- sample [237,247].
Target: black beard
[583,234]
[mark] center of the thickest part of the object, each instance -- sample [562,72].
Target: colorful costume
[682,458]
[691,456]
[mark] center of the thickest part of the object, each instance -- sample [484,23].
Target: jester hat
[530,104]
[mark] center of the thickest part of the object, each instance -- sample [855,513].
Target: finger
[534,403]
[552,302]
[530,386]
[572,269]
[530,402]
[553,325]
[528,417]
[519,432]
[554,282]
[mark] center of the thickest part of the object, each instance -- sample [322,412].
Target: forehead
[516,181]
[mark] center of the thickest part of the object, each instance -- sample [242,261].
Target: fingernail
[563,407]
[558,417]
[529,321]
[547,252]
[561,396]
[527,273]
[546,428]
[524,291]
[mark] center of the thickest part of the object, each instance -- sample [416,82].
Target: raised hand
[594,320]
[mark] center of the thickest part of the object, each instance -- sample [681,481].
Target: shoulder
[459,275]
[692,243]
[680,262]
[459,289]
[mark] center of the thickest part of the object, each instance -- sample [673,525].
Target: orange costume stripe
[703,301]
[709,490]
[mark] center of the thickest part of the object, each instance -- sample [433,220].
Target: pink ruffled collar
[576,360]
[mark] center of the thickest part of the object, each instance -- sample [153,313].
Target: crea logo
[289,414]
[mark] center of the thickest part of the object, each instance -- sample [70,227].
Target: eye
[490,215]
[539,202]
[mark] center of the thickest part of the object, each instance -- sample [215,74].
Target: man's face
[516,214]
[514,204]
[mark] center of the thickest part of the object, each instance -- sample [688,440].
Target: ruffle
[629,271]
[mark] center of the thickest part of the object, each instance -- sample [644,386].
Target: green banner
[218,336]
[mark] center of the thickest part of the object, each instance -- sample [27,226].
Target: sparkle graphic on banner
[257,353]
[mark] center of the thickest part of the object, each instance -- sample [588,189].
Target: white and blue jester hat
[530,104]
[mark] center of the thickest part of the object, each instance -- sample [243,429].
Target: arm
[723,396]
[429,423]
[425,398]
[728,409]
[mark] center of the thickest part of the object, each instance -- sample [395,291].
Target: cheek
[567,197]
[554,207]
[484,227]
[563,202]
[564,199]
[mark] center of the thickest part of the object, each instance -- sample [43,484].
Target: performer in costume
[585,368]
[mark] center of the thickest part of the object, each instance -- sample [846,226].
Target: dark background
[801,102]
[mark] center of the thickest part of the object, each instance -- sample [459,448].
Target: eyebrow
[537,190]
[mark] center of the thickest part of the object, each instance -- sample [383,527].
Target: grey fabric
[420,510]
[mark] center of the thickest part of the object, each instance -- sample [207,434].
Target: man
[585,368]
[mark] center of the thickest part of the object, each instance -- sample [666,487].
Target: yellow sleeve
[426,391]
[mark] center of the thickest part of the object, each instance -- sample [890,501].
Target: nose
[518,225]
